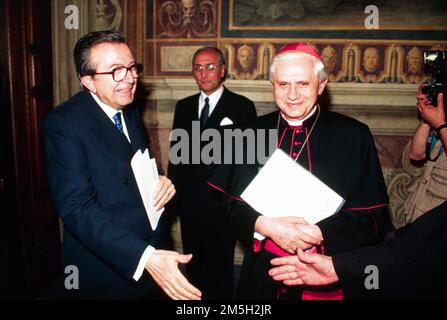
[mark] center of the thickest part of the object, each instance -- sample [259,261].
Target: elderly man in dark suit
[204,221]
[89,142]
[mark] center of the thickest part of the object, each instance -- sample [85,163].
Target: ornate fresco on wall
[109,14]
[186,18]
[251,31]
[334,14]
[351,62]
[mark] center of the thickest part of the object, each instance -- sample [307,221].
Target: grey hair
[290,55]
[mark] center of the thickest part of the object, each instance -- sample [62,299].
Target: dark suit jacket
[410,265]
[106,229]
[191,179]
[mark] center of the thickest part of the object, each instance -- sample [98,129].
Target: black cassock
[339,151]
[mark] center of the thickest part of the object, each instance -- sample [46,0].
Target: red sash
[272,247]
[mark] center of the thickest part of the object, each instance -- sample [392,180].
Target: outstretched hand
[163,267]
[305,268]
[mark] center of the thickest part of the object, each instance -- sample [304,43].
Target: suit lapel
[134,129]
[218,112]
[195,116]
[104,127]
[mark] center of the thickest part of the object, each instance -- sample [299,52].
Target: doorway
[29,240]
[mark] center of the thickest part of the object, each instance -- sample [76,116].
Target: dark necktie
[205,112]
[118,123]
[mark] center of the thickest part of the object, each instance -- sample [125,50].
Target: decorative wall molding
[343,93]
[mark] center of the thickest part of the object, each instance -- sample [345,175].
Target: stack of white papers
[146,175]
[283,188]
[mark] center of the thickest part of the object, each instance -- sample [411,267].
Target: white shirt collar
[300,122]
[213,99]
[110,112]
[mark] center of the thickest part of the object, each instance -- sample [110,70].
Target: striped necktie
[118,123]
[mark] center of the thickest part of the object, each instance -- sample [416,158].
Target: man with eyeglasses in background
[203,218]
[89,143]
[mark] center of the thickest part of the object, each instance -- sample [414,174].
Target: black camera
[435,62]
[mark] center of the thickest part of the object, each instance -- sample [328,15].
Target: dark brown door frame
[9,240]
[32,235]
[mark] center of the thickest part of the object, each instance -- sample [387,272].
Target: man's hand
[305,268]
[163,267]
[163,192]
[289,233]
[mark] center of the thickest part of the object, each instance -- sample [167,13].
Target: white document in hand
[146,175]
[284,188]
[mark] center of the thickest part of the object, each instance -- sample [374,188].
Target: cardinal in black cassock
[338,150]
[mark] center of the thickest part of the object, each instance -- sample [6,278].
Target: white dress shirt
[213,100]
[110,112]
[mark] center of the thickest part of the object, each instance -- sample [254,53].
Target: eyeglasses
[207,67]
[120,73]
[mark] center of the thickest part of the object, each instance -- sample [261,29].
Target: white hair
[290,55]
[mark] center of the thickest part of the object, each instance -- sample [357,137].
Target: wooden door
[31,239]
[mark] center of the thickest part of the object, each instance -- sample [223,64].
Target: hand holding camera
[435,62]
[432,95]
[430,114]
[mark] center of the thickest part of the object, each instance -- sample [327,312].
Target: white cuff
[143,261]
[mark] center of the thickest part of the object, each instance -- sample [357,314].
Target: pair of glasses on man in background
[207,67]
[120,73]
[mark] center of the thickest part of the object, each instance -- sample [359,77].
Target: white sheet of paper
[284,188]
[146,175]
